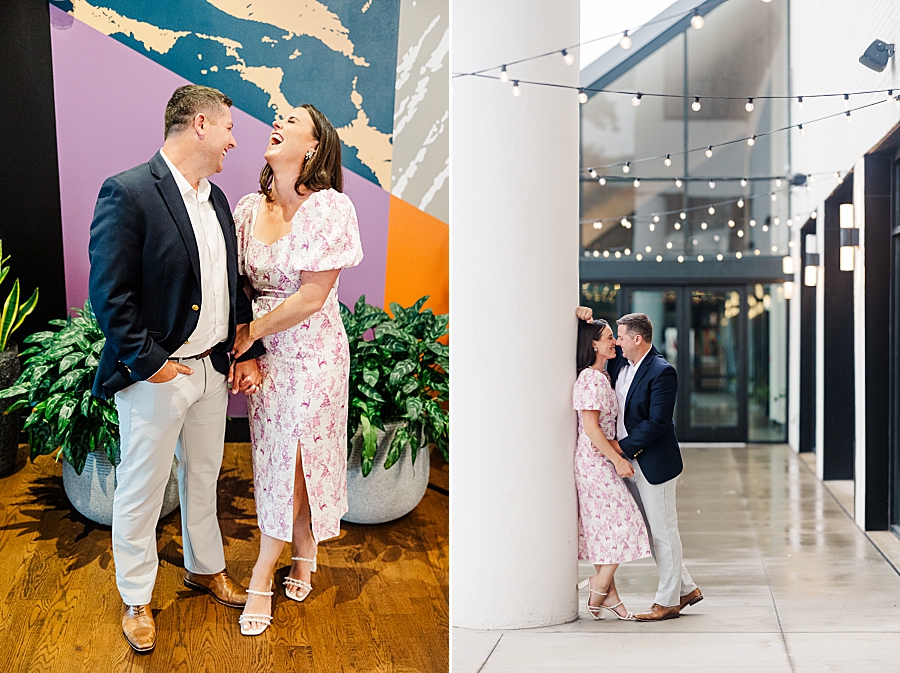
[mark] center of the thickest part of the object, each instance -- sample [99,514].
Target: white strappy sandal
[292,583]
[595,610]
[248,618]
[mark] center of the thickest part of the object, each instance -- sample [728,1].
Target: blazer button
[195,307]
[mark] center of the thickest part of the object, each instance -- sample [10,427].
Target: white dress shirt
[623,384]
[212,326]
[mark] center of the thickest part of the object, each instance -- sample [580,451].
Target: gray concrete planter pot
[91,492]
[385,495]
[10,424]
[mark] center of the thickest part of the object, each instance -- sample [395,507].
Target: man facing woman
[166,287]
[633,404]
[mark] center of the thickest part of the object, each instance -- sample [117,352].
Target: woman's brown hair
[323,171]
[587,333]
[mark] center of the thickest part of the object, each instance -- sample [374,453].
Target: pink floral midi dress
[306,369]
[610,526]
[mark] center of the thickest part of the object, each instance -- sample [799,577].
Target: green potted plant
[69,422]
[399,390]
[14,313]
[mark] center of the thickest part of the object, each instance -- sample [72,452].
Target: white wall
[827,39]
[514,289]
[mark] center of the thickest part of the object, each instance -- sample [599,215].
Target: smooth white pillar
[859,344]
[514,289]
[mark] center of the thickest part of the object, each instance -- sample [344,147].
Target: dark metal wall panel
[878,311]
[807,354]
[838,418]
[30,221]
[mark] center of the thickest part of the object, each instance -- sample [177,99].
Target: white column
[820,344]
[514,289]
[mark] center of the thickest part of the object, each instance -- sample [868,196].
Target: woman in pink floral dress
[294,237]
[611,529]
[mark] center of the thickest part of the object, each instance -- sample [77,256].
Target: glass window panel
[714,358]
[767,363]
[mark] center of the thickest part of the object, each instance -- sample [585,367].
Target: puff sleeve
[586,395]
[330,233]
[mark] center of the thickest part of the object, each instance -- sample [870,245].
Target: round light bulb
[720,257]
[849,118]
[731,223]
[743,182]
[704,226]
[678,226]
[678,183]
[582,96]
[709,151]
[637,182]
[567,57]
[639,257]
[593,173]
[738,254]
[625,42]
[800,129]
[778,182]
[680,258]
[699,258]
[669,245]
[765,228]
[516,91]
[846,100]
[656,218]
[740,203]
[504,75]
[712,184]
[659,258]
[606,253]
[667,161]
[682,215]
[774,197]
[602,181]
[648,249]
[652,227]
[740,233]
[695,106]
[752,223]
[637,99]
[799,102]
[627,167]
[618,254]
[751,141]
[749,106]
[711,210]
[697,20]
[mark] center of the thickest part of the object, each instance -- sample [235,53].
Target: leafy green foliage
[399,373]
[14,313]
[55,385]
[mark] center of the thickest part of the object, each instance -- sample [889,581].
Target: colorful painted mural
[377,68]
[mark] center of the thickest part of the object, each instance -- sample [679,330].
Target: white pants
[657,504]
[184,417]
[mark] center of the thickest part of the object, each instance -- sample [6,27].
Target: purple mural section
[109,117]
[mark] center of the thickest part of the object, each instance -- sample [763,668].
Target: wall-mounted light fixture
[811,270]
[788,289]
[849,237]
[787,265]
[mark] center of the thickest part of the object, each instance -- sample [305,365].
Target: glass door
[715,399]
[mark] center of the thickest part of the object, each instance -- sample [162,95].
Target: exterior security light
[877,56]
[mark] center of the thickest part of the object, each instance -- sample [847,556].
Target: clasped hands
[623,466]
[244,376]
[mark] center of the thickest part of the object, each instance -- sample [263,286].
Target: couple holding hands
[627,463]
[191,299]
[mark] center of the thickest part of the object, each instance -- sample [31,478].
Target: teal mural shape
[271,55]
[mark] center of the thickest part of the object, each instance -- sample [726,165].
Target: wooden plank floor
[380,601]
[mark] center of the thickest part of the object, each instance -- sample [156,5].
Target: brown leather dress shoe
[139,628]
[690,599]
[218,585]
[658,612]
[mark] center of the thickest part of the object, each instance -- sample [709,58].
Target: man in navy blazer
[646,386]
[165,289]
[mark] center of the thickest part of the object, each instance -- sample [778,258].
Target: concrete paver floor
[790,584]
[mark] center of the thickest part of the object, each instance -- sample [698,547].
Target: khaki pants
[184,417]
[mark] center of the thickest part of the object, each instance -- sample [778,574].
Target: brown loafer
[658,612]
[690,599]
[139,628]
[218,585]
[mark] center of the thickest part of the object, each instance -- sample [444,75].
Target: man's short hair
[190,100]
[637,323]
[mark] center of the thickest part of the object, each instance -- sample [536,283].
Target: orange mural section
[418,258]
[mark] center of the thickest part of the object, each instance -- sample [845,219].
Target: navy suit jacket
[145,276]
[648,413]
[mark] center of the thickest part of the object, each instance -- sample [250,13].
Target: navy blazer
[145,276]
[648,413]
